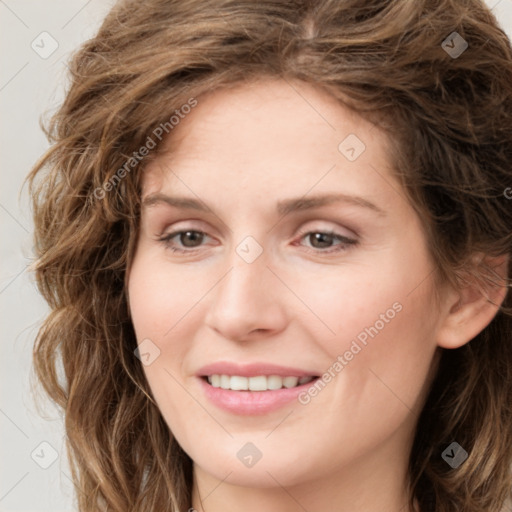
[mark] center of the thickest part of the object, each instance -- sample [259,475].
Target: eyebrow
[283,207]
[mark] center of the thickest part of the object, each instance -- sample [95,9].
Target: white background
[30,86]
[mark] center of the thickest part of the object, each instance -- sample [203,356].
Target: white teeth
[274,382]
[225,382]
[239,383]
[290,382]
[258,383]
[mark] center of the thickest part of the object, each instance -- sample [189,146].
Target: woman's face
[299,258]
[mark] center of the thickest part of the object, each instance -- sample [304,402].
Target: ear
[468,310]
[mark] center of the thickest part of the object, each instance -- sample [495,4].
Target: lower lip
[247,403]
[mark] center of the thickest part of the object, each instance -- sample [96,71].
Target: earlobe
[470,309]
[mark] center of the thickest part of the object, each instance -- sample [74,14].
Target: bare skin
[301,303]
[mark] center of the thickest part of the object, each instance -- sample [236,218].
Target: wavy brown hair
[450,123]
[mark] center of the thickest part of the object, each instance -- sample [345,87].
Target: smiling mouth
[256,383]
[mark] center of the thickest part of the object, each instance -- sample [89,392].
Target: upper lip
[252,370]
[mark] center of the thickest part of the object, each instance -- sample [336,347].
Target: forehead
[270,133]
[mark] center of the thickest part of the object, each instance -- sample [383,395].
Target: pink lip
[246,403]
[252,370]
[249,403]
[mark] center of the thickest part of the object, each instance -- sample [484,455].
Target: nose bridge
[244,284]
[246,298]
[248,262]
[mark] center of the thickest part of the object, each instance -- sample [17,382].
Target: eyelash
[344,245]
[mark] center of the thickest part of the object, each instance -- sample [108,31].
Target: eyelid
[167,237]
[351,233]
[176,228]
[345,241]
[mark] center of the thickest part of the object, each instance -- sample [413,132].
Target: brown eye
[321,240]
[190,239]
[324,241]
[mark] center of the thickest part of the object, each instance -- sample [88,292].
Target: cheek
[383,324]
[377,364]
[161,298]
[162,306]
[380,302]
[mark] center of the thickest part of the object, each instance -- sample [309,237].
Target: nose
[248,302]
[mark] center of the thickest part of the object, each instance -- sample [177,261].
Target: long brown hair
[450,120]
